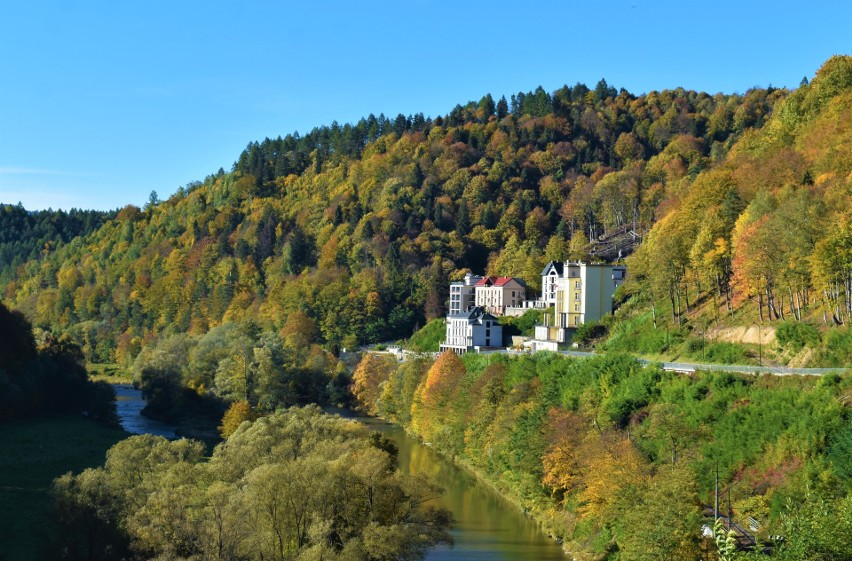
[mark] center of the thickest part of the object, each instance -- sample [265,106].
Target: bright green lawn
[32,454]
[429,338]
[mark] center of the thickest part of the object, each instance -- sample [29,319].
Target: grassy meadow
[34,452]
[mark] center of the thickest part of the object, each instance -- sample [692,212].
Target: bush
[837,350]
[588,332]
[716,352]
[429,338]
[725,353]
[797,335]
[523,324]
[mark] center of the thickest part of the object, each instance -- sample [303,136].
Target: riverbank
[488,525]
[34,453]
[529,511]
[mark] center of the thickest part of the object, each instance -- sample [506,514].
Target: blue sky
[103,102]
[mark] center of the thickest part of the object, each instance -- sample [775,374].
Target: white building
[474,328]
[462,293]
[495,294]
[549,277]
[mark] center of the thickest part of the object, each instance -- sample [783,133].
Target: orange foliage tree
[373,371]
[435,391]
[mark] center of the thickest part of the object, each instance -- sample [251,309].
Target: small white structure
[474,328]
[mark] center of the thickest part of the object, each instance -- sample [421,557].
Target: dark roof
[475,313]
[557,266]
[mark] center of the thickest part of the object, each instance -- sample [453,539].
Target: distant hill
[360,227]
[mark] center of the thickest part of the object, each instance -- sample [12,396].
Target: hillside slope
[765,237]
[359,228]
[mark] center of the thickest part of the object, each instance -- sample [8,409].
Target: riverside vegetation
[618,460]
[297,484]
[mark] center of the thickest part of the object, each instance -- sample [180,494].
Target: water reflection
[487,527]
[129,404]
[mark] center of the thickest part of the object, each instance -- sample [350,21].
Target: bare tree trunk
[716,299]
[672,299]
[677,299]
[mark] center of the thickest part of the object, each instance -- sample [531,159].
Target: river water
[129,405]
[487,528]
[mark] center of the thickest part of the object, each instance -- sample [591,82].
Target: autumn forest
[240,298]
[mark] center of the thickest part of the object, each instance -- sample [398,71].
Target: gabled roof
[475,314]
[499,281]
[557,266]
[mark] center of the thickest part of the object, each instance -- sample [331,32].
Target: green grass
[429,338]
[109,373]
[35,452]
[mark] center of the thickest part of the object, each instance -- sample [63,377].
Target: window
[576,307]
[577,285]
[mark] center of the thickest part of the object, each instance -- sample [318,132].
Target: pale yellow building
[583,294]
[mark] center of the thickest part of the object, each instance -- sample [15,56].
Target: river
[129,405]
[488,527]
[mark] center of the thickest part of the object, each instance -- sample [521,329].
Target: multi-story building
[474,328]
[461,293]
[549,277]
[583,294]
[495,294]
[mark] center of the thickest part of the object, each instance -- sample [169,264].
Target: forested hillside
[26,235]
[766,235]
[359,228]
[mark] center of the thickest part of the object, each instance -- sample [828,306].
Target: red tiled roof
[494,281]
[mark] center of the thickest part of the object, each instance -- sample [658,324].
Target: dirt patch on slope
[746,334]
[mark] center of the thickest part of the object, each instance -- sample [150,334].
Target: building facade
[549,279]
[583,294]
[474,328]
[462,294]
[495,294]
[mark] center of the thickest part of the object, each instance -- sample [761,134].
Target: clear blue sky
[103,102]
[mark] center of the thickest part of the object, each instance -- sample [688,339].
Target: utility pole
[716,502]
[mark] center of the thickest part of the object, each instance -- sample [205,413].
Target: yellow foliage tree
[237,413]
[613,471]
[434,392]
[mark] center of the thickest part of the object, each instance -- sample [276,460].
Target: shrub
[797,335]
[587,332]
[837,350]
[429,338]
[725,353]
